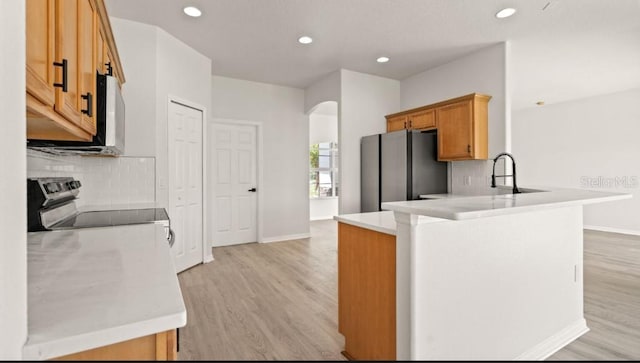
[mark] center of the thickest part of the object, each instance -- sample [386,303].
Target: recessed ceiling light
[382,60]
[505,13]
[192,11]
[305,40]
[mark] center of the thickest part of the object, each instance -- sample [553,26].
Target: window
[323,175]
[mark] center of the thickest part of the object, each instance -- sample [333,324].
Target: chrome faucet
[494,176]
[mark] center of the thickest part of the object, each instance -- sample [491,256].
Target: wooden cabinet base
[161,346]
[367,293]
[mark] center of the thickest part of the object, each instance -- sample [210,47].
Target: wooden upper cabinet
[461,123]
[87,63]
[108,58]
[66,67]
[463,129]
[100,46]
[39,50]
[455,131]
[63,55]
[422,120]
[396,123]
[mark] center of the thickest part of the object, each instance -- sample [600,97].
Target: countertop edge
[365,225]
[79,343]
[502,211]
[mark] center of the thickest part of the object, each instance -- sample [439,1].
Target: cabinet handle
[62,85]
[468,148]
[409,123]
[109,69]
[405,125]
[89,110]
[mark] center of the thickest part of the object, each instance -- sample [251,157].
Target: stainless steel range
[51,206]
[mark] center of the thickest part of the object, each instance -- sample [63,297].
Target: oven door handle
[172,237]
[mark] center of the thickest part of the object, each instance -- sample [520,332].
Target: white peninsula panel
[503,287]
[488,277]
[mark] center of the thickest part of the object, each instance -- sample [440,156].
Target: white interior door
[185,184]
[233,179]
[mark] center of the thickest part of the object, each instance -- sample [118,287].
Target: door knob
[253,190]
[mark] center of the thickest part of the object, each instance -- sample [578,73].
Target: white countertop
[459,207]
[98,286]
[383,222]
[121,206]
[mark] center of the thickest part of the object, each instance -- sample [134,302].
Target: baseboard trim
[555,342]
[285,238]
[613,230]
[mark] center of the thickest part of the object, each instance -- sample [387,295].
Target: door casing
[259,166]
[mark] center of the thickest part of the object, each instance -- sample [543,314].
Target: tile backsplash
[473,177]
[105,180]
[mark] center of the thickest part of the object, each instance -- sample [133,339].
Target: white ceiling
[572,49]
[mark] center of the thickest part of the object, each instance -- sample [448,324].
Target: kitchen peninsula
[464,277]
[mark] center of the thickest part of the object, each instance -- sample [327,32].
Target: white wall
[285,150]
[323,128]
[183,73]
[13,224]
[365,100]
[323,90]
[323,208]
[136,44]
[481,72]
[575,143]
[156,66]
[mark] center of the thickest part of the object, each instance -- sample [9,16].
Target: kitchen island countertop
[461,207]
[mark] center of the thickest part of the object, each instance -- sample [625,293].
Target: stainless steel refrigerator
[399,165]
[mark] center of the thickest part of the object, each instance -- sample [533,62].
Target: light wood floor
[611,299]
[278,301]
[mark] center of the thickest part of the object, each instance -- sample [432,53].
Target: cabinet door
[159,347]
[87,30]
[40,50]
[455,131]
[67,103]
[396,123]
[423,120]
[100,45]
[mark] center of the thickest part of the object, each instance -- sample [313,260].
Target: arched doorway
[324,188]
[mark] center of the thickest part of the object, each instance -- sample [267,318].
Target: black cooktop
[109,218]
